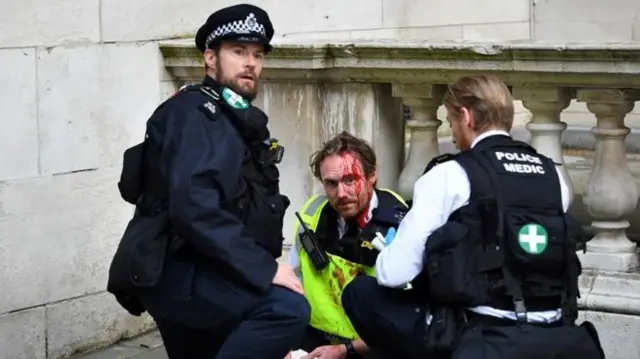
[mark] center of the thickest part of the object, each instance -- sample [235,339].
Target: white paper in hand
[298,354]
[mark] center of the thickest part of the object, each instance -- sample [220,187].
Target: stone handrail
[610,65]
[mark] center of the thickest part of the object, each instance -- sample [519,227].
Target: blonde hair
[486,97]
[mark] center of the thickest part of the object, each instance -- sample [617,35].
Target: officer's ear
[466,118]
[210,58]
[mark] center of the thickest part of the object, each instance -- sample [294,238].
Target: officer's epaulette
[438,160]
[185,88]
[209,107]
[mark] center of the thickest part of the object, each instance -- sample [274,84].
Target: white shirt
[437,194]
[293,258]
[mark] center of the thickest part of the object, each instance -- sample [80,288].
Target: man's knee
[357,291]
[291,307]
[359,301]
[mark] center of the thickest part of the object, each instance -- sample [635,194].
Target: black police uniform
[388,214]
[481,257]
[210,172]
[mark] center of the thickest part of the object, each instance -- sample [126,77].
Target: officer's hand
[286,277]
[328,352]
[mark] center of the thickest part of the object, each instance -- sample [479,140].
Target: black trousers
[203,315]
[393,321]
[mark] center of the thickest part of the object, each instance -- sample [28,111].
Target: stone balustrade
[374,79]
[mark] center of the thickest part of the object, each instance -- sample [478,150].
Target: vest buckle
[521,309]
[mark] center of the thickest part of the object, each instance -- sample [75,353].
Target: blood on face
[353,170]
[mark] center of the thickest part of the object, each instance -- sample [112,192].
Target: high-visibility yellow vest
[323,289]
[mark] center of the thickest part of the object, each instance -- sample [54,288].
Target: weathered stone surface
[28,23]
[19,121]
[94,102]
[618,333]
[343,35]
[588,10]
[66,229]
[23,335]
[611,301]
[147,19]
[409,13]
[422,33]
[82,323]
[590,21]
[578,31]
[498,31]
[636,31]
[610,291]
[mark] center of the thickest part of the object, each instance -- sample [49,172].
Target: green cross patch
[234,100]
[533,238]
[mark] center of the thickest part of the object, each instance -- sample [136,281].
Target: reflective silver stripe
[313,206]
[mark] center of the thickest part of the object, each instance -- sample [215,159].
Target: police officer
[489,238]
[221,293]
[343,222]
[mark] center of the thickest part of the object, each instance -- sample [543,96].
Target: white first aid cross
[533,238]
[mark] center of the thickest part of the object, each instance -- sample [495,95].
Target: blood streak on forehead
[351,165]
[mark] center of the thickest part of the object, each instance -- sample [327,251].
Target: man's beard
[235,87]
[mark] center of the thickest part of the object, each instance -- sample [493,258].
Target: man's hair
[341,144]
[486,97]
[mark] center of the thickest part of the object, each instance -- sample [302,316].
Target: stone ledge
[518,62]
[610,292]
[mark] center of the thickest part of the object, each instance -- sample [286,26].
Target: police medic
[488,240]
[215,290]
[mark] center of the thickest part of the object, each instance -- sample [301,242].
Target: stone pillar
[611,194]
[546,104]
[423,100]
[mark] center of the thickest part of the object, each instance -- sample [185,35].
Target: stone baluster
[611,194]
[423,100]
[546,104]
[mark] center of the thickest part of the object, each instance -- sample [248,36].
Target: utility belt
[538,304]
[476,319]
[448,324]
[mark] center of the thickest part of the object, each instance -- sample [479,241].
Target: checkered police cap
[244,22]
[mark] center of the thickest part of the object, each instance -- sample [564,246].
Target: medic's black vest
[388,214]
[511,247]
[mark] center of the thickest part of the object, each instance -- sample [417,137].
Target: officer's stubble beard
[218,74]
[233,84]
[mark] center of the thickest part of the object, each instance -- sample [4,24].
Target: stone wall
[82,76]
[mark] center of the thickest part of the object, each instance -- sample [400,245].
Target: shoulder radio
[309,242]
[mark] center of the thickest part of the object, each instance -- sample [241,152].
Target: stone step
[145,346]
